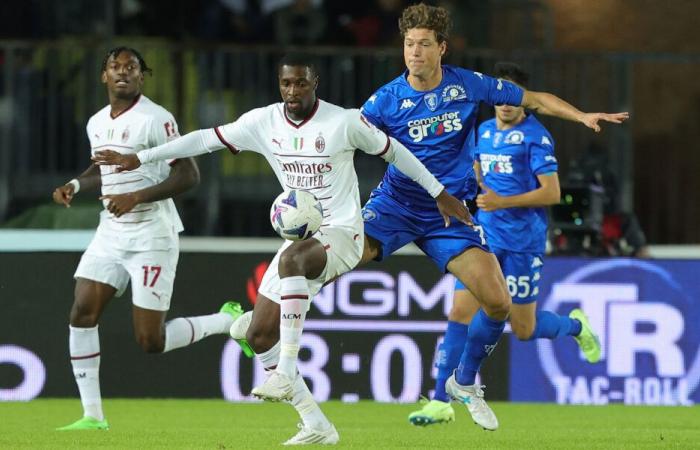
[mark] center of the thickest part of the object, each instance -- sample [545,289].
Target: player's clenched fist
[64,194]
[120,204]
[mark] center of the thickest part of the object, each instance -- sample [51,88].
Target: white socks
[294,302]
[302,399]
[184,331]
[84,345]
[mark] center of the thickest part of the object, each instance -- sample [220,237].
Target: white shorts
[152,272]
[343,249]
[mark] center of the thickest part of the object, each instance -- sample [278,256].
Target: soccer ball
[296,215]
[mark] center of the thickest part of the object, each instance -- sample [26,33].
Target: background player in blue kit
[515,164]
[431,109]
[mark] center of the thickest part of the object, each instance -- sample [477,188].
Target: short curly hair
[433,18]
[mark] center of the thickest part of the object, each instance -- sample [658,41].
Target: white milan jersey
[315,155]
[143,125]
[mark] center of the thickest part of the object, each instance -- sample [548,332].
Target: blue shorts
[522,274]
[394,225]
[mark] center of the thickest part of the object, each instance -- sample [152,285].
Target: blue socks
[448,356]
[551,326]
[483,335]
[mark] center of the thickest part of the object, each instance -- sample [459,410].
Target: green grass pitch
[213,424]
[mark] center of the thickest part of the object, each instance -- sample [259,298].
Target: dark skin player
[297,85]
[123,77]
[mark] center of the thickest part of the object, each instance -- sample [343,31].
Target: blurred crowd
[279,22]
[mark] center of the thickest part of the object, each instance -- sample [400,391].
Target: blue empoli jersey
[510,161]
[438,127]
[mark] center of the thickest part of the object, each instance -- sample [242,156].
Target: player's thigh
[390,225]
[90,299]
[307,257]
[100,276]
[152,276]
[464,305]
[343,248]
[480,270]
[443,244]
[522,274]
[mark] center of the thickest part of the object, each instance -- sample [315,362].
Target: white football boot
[308,435]
[276,388]
[473,398]
[240,326]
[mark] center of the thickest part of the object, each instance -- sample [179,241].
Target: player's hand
[120,204]
[450,206]
[112,158]
[63,195]
[488,200]
[591,119]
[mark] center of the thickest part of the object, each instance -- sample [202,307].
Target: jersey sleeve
[163,130]
[372,110]
[365,136]
[243,134]
[542,159]
[483,88]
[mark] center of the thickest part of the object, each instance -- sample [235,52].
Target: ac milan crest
[320,143]
[125,135]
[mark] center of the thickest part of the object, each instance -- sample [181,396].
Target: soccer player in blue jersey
[432,108]
[515,164]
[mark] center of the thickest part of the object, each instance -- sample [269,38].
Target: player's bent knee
[497,306]
[151,343]
[522,331]
[291,263]
[83,316]
[262,339]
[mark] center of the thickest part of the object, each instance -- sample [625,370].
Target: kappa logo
[487,134]
[372,98]
[537,262]
[546,141]
[407,103]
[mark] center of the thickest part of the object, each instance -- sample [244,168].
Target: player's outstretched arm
[551,105]
[89,179]
[192,144]
[184,175]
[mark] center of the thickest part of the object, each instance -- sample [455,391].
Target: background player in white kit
[137,238]
[310,145]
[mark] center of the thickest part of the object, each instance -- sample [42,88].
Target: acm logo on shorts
[646,321]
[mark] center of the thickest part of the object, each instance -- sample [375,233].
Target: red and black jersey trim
[386,147]
[303,122]
[136,100]
[228,145]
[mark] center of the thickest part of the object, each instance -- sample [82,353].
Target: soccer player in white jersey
[310,145]
[137,238]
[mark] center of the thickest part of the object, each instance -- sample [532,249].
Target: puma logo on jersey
[279,143]
[157,295]
[407,103]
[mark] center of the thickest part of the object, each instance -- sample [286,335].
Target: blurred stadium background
[625,240]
